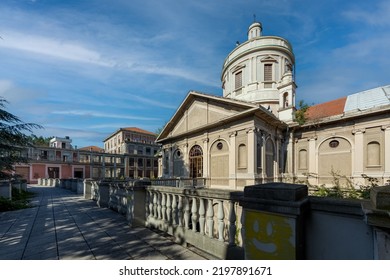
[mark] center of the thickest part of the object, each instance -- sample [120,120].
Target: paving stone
[65,226]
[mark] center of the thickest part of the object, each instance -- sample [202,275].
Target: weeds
[20,200]
[341,186]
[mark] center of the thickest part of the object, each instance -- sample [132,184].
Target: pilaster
[232,160]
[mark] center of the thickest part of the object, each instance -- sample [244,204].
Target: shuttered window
[267,72]
[238,80]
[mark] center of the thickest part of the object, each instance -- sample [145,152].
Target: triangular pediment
[268,58]
[200,110]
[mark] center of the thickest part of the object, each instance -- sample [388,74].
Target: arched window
[196,162]
[242,157]
[373,154]
[285,100]
[302,159]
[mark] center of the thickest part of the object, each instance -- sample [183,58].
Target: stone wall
[268,221]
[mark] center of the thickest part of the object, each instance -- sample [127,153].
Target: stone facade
[140,149]
[250,134]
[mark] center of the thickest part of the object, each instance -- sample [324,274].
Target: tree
[40,140]
[300,114]
[13,140]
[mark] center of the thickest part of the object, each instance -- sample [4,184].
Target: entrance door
[53,172]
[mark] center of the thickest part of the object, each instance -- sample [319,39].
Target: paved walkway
[63,225]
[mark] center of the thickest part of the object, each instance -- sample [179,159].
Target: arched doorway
[196,162]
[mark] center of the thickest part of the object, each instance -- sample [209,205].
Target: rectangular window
[267,72]
[238,80]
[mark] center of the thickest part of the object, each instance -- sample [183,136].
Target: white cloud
[101,115]
[52,47]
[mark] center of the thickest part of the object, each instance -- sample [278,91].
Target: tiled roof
[92,148]
[138,130]
[327,109]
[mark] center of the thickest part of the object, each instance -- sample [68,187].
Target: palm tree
[13,140]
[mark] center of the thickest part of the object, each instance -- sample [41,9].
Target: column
[312,159]
[358,155]
[252,144]
[387,152]
[206,157]
[232,160]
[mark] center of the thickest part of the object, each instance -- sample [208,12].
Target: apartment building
[140,149]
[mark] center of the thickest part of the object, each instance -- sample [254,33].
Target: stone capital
[386,127]
[233,134]
[358,131]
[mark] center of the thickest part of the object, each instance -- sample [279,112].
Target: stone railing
[74,184]
[269,221]
[179,182]
[209,219]
[6,187]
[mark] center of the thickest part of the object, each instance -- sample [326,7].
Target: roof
[138,130]
[368,99]
[92,149]
[244,109]
[363,102]
[131,129]
[327,109]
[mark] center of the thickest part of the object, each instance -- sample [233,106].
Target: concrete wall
[335,229]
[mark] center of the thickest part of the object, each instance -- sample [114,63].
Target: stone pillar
[377,215]
[87,188]
[387,152]
[232,160]
[205,157]
[252,155]
[312,164]
[5,189]
[273,216]
[358,161]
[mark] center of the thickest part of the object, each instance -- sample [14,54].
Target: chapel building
[250,134]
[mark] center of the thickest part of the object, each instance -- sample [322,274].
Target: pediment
[201,110]
[268,58]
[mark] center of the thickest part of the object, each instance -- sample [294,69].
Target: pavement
[63,225]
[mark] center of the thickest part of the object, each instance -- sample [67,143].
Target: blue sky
[84,68]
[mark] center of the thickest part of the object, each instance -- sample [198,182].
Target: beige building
[250,135]
[140,149]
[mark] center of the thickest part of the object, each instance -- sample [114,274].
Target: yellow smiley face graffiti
[269,236]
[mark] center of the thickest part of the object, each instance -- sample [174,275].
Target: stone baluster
[220,217]
[155,214]
[147,204]
[232,223]
[194,211]
[210,218]
[186,213]
[174,210]
[169,209]
[163,206]
[202,217]
[180,211]
[159,216]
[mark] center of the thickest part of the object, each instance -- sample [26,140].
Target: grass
[20,200]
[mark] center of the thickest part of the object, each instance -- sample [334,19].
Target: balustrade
[197,214]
